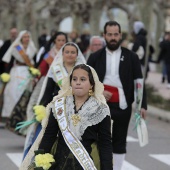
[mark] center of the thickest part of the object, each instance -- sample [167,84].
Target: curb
[156,112]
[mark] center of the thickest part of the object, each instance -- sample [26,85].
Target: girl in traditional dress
[77,117]
[18,90]
[68,56]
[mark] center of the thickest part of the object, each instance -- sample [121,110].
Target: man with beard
[118,69]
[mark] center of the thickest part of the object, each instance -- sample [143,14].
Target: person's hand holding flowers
[40,114]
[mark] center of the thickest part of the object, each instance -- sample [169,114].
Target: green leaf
[38,168]
[40,151]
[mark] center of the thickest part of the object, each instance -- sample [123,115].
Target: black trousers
[168,71]
[120,126]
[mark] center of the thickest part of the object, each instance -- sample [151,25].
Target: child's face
[80,83]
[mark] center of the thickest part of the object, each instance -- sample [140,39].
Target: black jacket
[4,67]
[165,51]
[50,91]
[129,70]
[141,40]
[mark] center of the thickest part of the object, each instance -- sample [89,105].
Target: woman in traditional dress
[43,63]
[77,117]
[18,90]
[51,50]
[68,56]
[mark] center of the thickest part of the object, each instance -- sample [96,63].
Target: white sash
[59,74]
[71,140]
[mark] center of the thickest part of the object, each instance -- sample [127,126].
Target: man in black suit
[118,69]
[4,48]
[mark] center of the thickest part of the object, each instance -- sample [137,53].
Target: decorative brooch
[76,119]
[59,111]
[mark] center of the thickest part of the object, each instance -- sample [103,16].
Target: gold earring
[91,92]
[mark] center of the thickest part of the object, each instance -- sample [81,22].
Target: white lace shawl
[91,113]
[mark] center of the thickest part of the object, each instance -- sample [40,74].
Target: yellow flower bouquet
[42,161]
[34,71]
[5,77]
[40,114]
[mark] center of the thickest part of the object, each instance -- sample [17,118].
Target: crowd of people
[83,87]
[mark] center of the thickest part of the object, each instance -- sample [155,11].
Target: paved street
[154,156]
[10,144]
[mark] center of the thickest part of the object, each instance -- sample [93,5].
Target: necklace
[77,107]
[68,70]
[75,117]
[79,103]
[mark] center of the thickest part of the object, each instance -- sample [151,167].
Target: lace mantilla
[91,113]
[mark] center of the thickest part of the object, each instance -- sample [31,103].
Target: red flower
[138,86]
